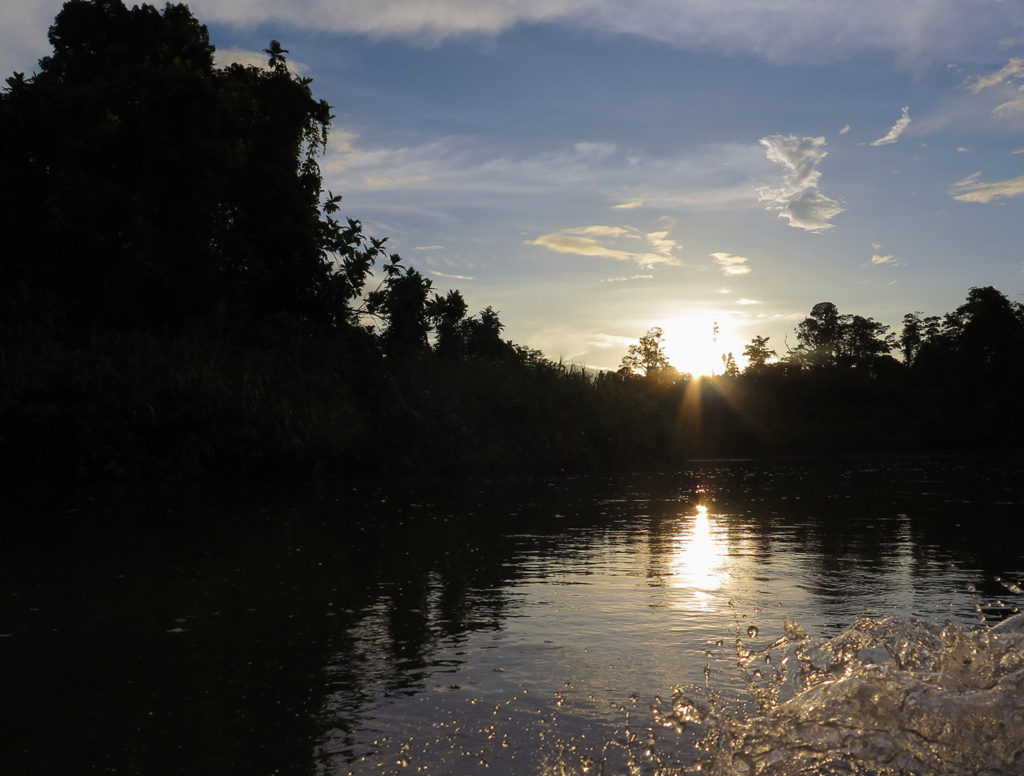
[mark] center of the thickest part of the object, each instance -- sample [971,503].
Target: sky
[593,168]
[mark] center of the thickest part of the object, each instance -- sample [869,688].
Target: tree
[818,337]
[647,356]
[988,329]
[447,315]
[483,336]
[143,187]
[729,363]
[828,339]
[863,341]
[757,352]
[401,303]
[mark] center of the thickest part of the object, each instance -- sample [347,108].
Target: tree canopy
[647,356]
[145,187]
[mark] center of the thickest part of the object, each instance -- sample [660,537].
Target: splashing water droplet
[752,631]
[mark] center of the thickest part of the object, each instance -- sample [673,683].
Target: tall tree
[145,187]
[757,352]
[401,303]
[447,315]
[988,329]
[826,338]
[648,355]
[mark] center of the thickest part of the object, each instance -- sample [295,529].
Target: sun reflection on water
[699,558]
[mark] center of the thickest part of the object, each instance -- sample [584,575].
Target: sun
[695,343]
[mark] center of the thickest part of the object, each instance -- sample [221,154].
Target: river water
[730,618]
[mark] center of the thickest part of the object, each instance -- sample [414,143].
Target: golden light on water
[699,557]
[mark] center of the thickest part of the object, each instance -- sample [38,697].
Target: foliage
[179,297]
[146,188]
[648,356]
[828,339]
[757,352]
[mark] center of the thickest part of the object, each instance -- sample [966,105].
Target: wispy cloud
[897,129]
[599,230]
[449,275]
[631,205]
[730,264]
[973,189]
[747,302]
[1016,105]
[428,248]
[1012,68]
[712,179]
[625,278]
[798,199]
[782,30]
[581,241]
[882,260]
[845,129]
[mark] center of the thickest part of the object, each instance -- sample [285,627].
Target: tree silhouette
[146,188]
[401,303]
[647,356]
[828,339]
[757,352]
[447,315]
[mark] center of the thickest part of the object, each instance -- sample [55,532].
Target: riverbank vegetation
[179,296]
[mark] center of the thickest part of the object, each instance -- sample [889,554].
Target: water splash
[887,697]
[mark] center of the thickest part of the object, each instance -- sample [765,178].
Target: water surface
[486,627]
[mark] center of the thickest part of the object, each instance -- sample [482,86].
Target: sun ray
[696,343]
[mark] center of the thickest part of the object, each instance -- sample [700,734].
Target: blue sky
[593,167]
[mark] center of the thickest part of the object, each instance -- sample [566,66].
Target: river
[733,617]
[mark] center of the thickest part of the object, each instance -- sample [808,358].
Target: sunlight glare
[691,346]
[699,557]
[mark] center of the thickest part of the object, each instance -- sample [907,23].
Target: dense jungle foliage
[179,296]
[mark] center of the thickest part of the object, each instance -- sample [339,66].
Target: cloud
[780,30]
[732,265]
[845,129]
[711,178]
[632,204]
[897,129]
[746,302]
[1016,105]
[601,231]
[972,189]
[571,241]
[798,199]
[1012,68]
[624,278]
[1018,151]
[661,243]
[602,340]
[876,259]
[428,248]
[388,182]
[449,275]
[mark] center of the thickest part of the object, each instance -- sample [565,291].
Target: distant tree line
[179,296]
[840,388]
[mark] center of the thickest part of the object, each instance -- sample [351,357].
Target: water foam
[887,697]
